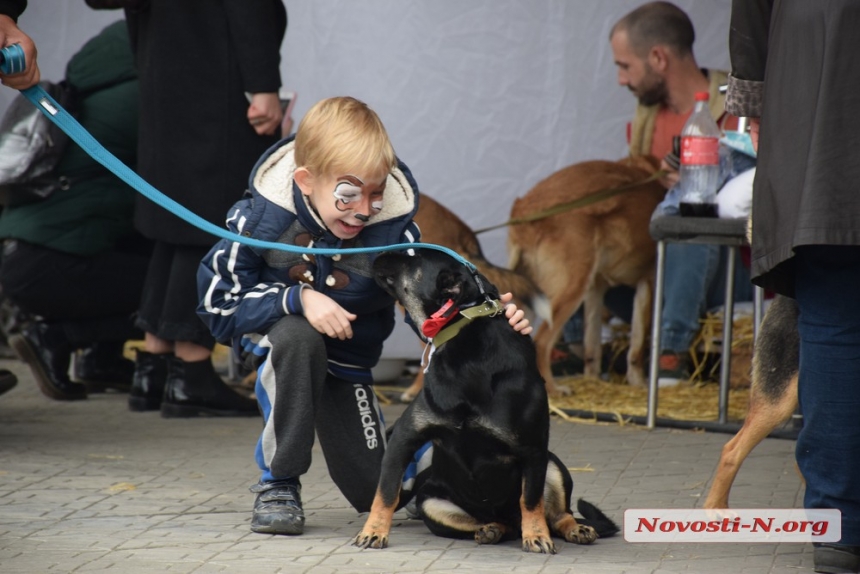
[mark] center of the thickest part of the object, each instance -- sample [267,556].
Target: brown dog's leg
[593,328]
[545,338]
[762,418]
[642,303]
[417,384]
[378,524]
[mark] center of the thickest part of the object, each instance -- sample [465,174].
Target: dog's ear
[449,285]
[456,284]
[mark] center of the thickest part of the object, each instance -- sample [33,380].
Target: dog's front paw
[489,533]
[538,544]
[371,539]
[581,534]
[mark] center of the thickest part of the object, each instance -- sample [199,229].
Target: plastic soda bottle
[700,161]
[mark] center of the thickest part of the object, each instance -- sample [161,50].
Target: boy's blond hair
[343,135]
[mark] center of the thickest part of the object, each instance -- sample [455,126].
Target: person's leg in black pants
[174,373]
[82,303]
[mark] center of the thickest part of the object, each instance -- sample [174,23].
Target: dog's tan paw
[581,534]
[370,539]
[489,533]
[538,545]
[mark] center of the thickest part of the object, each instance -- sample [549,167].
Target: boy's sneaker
[673,368]
[278,508]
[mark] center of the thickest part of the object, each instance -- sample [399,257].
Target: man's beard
[652,90]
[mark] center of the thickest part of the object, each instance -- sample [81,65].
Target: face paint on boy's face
[348,190]
[351,203]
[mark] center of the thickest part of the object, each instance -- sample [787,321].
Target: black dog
[484,406]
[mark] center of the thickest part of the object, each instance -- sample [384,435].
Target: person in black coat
[200,136]
[29,76]
[72,262]
[794,66]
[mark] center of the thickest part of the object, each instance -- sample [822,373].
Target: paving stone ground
[90,487]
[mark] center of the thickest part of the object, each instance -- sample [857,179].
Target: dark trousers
[828,447]
[93,299]
[299,398]
[168,307]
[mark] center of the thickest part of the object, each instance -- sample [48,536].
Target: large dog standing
[439,225]
[484,407]
[575,256]
[773,394]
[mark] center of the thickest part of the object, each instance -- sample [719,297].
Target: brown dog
[441,226]
[575,256]
[773,394]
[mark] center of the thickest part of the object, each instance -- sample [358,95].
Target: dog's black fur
[484,406]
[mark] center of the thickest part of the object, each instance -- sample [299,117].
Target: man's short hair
[657,23]
[343,135]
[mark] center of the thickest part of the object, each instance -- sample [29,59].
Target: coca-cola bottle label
[700,151]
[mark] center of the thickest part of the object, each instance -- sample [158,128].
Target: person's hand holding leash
[264,113]
[326,316]
[11,34]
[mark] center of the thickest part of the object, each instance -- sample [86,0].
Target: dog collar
[439,319]
[489,308]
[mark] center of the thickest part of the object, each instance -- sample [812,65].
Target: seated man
[653,50]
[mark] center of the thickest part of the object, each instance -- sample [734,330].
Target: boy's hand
[516,317]
[326,316]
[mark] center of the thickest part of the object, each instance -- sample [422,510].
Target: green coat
[93,214]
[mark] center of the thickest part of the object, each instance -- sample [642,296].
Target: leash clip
[494,305]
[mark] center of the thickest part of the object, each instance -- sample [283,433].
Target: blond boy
[315,325]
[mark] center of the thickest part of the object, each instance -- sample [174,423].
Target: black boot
[48,353]
[195,389]
[150,376]
[102,366]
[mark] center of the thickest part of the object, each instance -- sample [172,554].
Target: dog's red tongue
[439,319]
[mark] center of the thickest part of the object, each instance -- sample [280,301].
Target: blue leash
[12,62]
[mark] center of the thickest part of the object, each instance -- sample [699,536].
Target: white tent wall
[482,98]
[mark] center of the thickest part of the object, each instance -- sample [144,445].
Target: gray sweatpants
[298,396]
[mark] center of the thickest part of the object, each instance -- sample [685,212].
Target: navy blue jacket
[244,290]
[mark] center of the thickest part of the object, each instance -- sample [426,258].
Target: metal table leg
[728,317]
[656,315]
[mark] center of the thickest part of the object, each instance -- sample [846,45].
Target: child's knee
[296,333]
